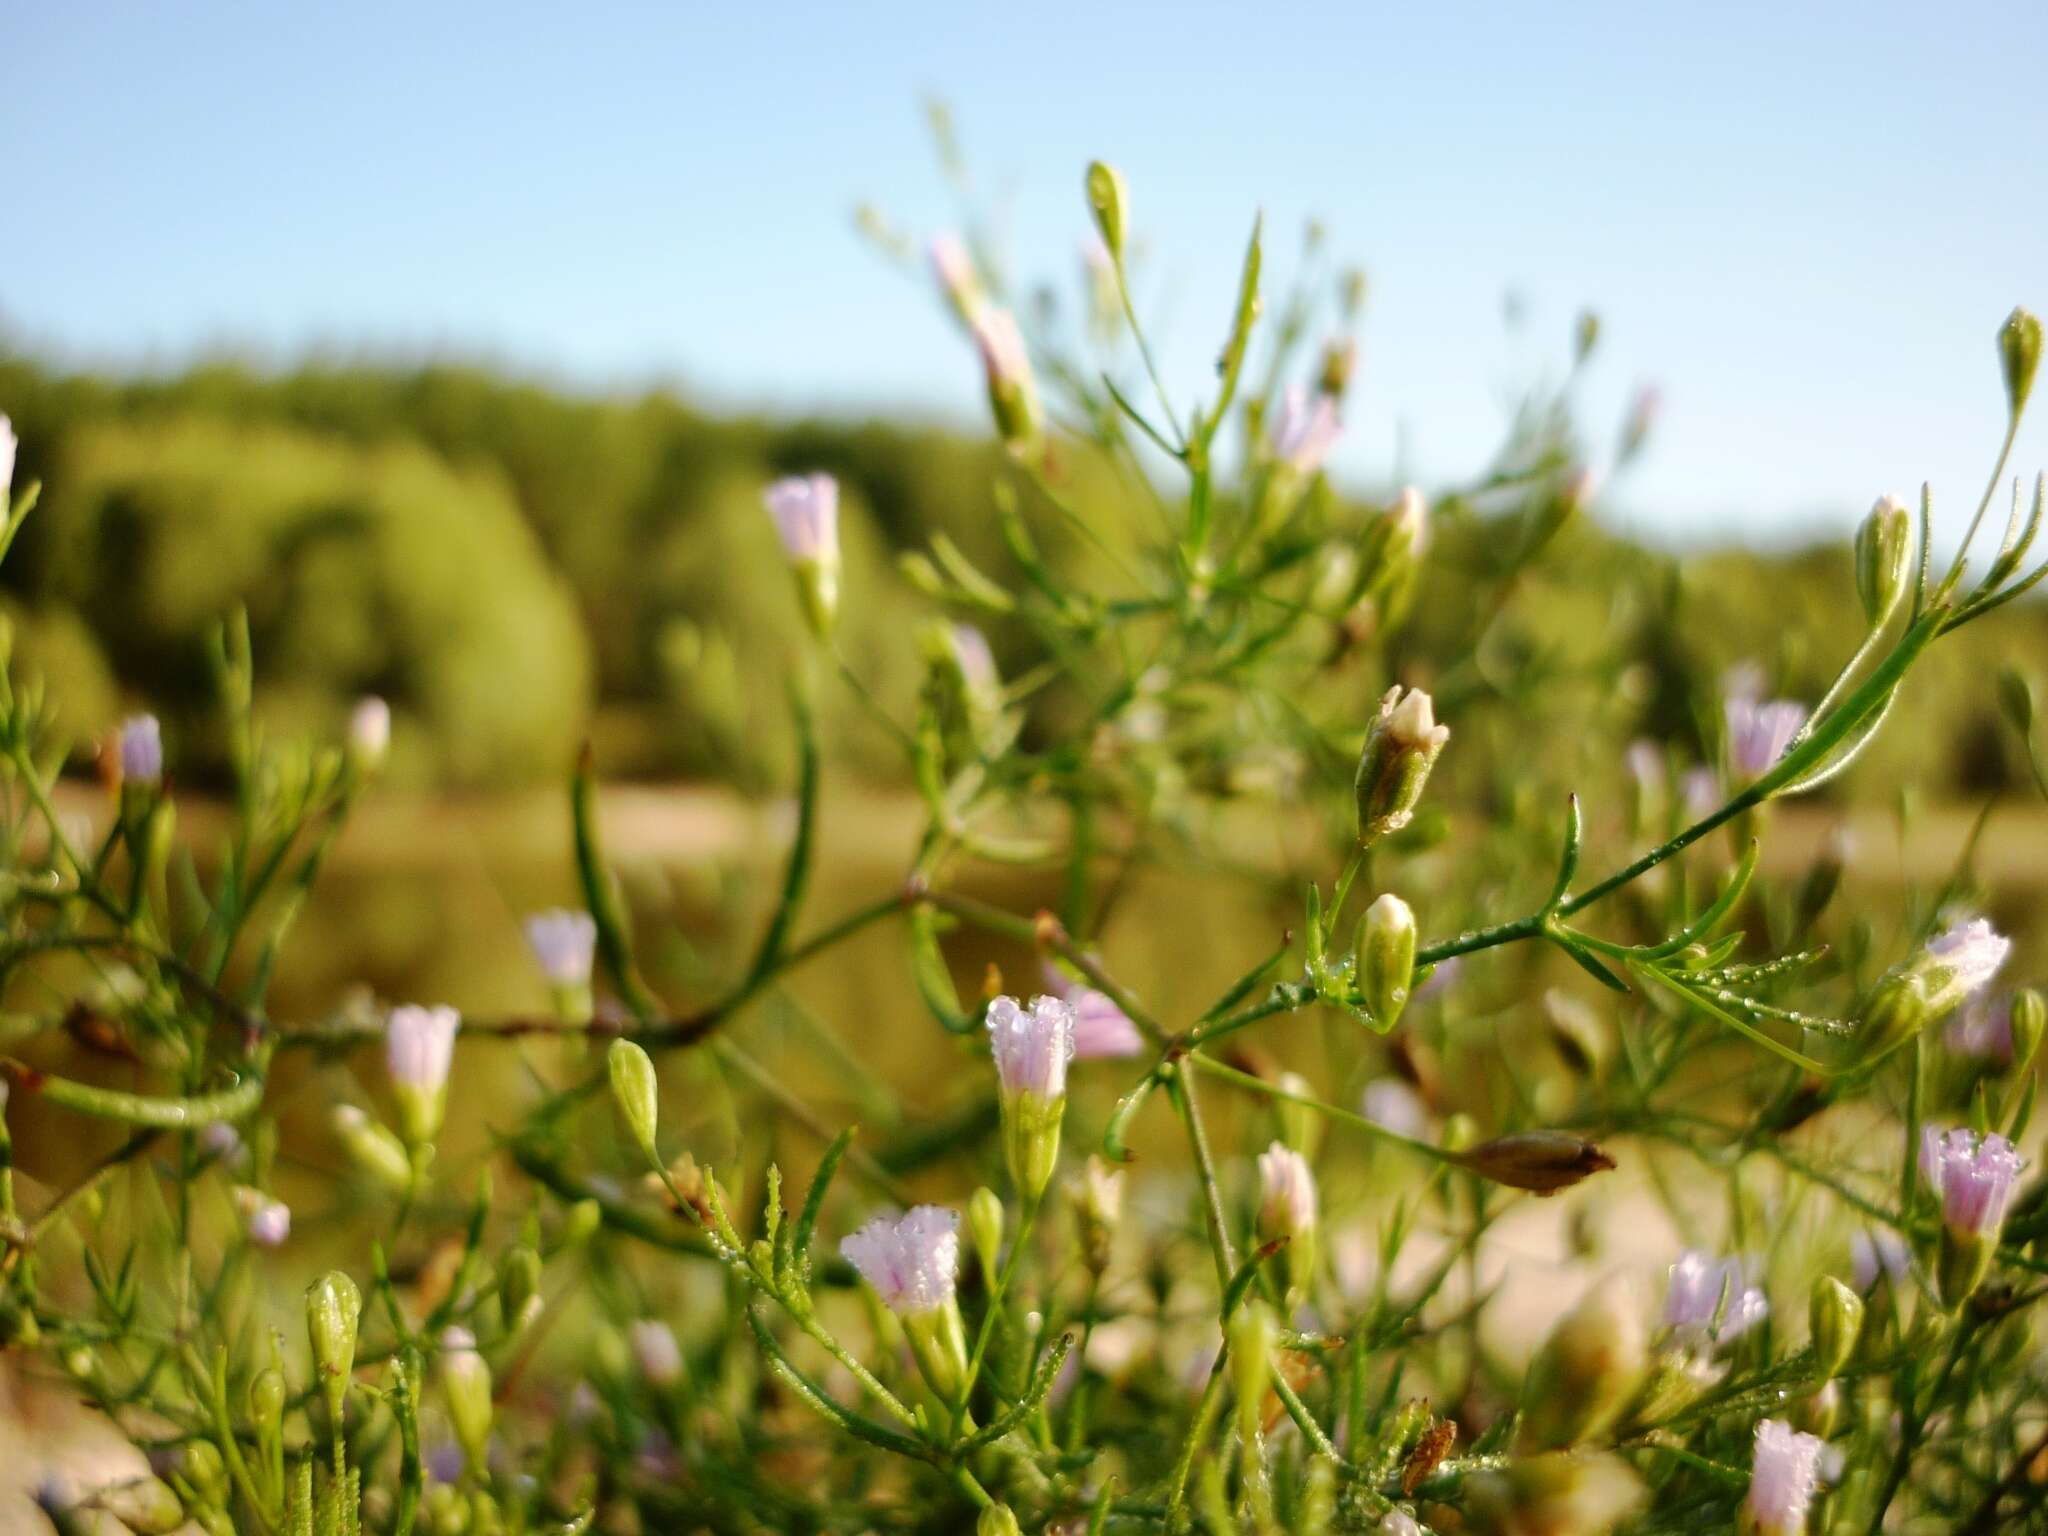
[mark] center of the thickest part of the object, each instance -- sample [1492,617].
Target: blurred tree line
[518,569]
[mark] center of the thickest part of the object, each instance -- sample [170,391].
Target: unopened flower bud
[369,734]
[519,1286]
[805,509]
[1540,1161]
[985,1226]
[1386,958]
[372,1148]
[1884,557]
[1400,750]
[1585,1373]
[1288,1209]
[1101,1208]
[1012,387]
[1250,1333]
[2028,1016]
[8,445]
[1835,1317]
[1947,973]
[636,1093]
[1340,360]
[333,1307]
[953,266]
[466,1388]
[1109,201]
[2019,355]
[1032,1047]
[144,1505]
[266,1399]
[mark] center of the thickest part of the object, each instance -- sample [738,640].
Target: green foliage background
[519,569]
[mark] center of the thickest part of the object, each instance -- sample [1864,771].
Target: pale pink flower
[419,1046]
[805,509]
[1782,1478]
[1758,734]
[1878,1253]
[564,943]
[1973,1178]
[1305,430]
[142,750]
[1711,1298]
[1032,1045]
[1287,1191]
[912,1261]
[656,1352]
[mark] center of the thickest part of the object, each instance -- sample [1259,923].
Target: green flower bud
[519,1286]
[1400,749]
[203,1472]
[373,1148]
[1386,958]
[1586,1373]
[1109,200]
[333,1307]
[1251,1366]
[938,1343]
[2019,355]
[985,1226]
[1835,1317]
[1677,1377]
[466,1387]
[2029,1017]
[266,1400]
[1884,558]
[580,1224]
[636,1093]
[997,1520]
[144,1505]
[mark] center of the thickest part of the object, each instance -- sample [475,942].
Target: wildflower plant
[1139,1266]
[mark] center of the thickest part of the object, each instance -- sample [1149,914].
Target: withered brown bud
[1541,1161]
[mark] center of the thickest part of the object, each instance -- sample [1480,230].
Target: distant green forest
[518,570]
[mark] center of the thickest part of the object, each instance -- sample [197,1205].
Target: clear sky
[1802,221]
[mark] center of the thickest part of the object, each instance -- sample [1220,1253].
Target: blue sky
[1802,222]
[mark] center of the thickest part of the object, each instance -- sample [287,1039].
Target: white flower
[1972,952]
[1974,1178]
[142,750]
[268,1221]
[805,509]
[977,661]
[7,447]
[1287,1204]
[1782,1477]
[1983,1029]
[655,1349]
[369,730]
[563,944]
[419,1045]
[1704,1289]
[1412,722]
[1032,1045]
[1305,430]
[912,1262]
[1758,734]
